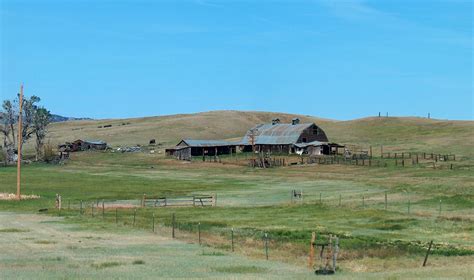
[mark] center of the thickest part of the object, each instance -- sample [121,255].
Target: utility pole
[252,135]
[20,134]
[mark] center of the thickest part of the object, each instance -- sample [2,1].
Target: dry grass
[12,196]
[420,134]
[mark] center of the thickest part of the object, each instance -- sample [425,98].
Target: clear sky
[333,59]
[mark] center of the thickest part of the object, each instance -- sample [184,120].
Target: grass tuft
[214,254]
[240,269]
[13,230]
[135,262]
[45,242]
[105,265]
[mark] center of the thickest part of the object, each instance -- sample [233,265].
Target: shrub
[48,153]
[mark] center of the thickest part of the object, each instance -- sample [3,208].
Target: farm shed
[279,137]
[188,148]
[82,145]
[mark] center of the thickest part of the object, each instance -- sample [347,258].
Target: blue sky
[333,59]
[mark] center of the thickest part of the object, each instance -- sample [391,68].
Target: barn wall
[309,136]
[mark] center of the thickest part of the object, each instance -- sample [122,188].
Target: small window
[304,140]
[315,131]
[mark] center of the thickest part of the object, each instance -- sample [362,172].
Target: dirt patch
[12,196]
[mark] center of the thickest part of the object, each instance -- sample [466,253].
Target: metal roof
[206,143]
[276,134]
[95,142]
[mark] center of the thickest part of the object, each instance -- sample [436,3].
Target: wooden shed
[187,148]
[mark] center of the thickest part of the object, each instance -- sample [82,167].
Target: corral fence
[99,205]
[389,160]
[183,201]
[418,156]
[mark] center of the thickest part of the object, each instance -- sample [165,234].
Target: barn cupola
[275,121]
[295,121]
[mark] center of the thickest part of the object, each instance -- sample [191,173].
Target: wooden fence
[182,201]
[418,156]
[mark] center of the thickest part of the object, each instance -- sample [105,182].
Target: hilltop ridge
[407,133]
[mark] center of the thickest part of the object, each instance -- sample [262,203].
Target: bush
[48,152]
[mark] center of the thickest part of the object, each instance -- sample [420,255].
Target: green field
[344,200]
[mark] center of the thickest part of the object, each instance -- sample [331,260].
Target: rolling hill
[395,133]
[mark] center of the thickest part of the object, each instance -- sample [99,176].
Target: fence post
[385,200]
[266,245]
[153,223]
[173,221]
[199,233]
[340,198]
[68,204]
[381,151]
[134,215]
[320,198]
[363,201]
[335,252]
[427,253]
[232,239]
[80,210]
[103,209]
[311,250]
[408,207]
[116,216]
[143,200]
[92,209]
[440,207]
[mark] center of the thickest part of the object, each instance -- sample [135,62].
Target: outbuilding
[187,148]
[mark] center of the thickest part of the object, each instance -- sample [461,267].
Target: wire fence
[282,245]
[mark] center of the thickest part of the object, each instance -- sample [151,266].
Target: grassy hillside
[417,134]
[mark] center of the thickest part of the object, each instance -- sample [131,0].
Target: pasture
[378,238]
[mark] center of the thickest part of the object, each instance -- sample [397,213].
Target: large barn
[274,137]
[279,137]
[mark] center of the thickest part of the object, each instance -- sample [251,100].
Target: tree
[7,122]
[41,120]
[34,122]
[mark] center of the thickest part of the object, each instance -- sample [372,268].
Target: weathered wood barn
[82,145]
[279,137]
[188,148]
[275,137]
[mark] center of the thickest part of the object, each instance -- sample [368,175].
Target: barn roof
[205,143]
[95,142]
[276,134]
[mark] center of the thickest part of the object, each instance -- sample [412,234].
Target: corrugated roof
[206,143]
[95,142]
[276,134]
